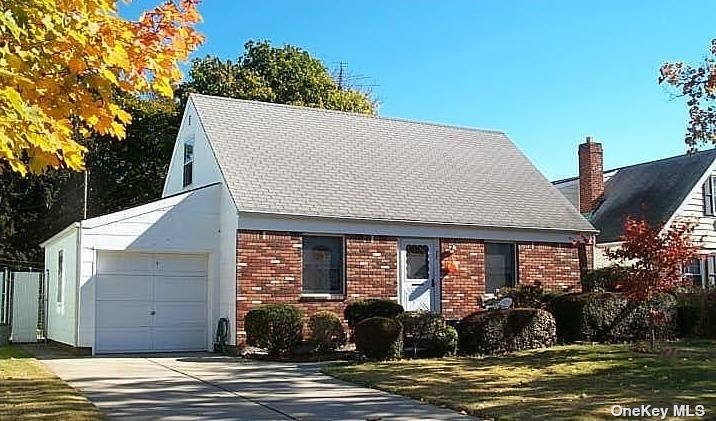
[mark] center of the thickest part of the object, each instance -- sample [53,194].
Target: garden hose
[222,335]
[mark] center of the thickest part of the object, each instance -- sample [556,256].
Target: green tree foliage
[284,75]
[131,172]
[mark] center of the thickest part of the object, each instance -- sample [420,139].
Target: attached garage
[151,302]
[142,280]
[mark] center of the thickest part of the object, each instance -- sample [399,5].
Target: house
[665,191]
[267,203]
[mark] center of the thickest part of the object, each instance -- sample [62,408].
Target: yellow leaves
[63,63]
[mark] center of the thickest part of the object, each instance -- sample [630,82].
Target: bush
[427,334]
[696,314]
[501,331]
[379,338]
[528,296]
[274,327]
[360,310]
[327,332]
[604,279]
[610,317]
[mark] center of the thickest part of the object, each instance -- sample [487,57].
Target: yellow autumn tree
[62,62]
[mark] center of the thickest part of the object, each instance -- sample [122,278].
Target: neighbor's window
[322,265]
[692,272]
[60,275]
[708,189]
[499,266]
[188,163]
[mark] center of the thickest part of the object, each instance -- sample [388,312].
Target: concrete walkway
[206,386]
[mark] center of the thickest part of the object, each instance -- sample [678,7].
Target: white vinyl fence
[22,304]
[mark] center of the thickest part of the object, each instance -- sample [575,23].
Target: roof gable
[291,160]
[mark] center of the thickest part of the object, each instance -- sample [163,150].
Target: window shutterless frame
[515,265]
[708,193]
[188,173]
[326,294]
[60,276]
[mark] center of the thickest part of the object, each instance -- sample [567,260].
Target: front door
[419,275]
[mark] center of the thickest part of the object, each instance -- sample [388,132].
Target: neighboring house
[677,189]
[269,203]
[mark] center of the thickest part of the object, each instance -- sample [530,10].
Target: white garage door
[150,302]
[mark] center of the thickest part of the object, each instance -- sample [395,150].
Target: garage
[150,302]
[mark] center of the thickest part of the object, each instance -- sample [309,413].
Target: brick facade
[269,271]
[555,265]
[461,291]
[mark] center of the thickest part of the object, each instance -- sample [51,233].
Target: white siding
[61,317]
[186,223]
[693,209]
[227,262]
[205,168]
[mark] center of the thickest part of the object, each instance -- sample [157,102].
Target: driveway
[207,386]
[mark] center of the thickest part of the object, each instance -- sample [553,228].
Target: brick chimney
[591,175]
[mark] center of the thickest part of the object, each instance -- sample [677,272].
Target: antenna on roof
[346,80]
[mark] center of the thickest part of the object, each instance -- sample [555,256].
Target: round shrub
[604,279]
[379,338]
[274,327]
[327,332]
[426,334]
[528,296]
[360,310]
[696,314]
[502,331]
[610,317]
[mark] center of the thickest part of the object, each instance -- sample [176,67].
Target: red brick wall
[269,272]
[461,291]
[555,265]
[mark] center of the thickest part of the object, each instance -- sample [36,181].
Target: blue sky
[548,73]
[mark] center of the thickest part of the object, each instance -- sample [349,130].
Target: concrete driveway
[206,386]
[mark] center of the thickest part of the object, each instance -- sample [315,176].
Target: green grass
[574,381]
[28,390]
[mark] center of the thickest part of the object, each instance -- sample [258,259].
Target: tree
[656,256]
[698,84]
[62,63]
[286,75]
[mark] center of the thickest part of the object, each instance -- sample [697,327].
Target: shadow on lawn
[561,382]
[43,398]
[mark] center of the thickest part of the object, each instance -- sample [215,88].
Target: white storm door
[419,275]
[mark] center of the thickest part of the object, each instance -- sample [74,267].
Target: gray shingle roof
[652,190]
[283,159]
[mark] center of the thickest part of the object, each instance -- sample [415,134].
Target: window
[499,266]
[416,261]
[188,163]
[708,189]
[692,272]
[60,275]
[323,265]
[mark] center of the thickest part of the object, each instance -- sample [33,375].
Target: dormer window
[188,163]
[708,189]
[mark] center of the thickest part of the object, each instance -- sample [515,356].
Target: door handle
[152,313]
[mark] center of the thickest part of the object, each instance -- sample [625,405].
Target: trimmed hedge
[379,338]
[327,332]
[604,279]
[360,310]
[427,334]
[610,317]
[274,327]
[697,314]
[502,331]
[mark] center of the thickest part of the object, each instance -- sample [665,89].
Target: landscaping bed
[579,380]
[29,390]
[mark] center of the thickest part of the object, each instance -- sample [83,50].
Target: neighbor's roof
[652,190]
[291,160]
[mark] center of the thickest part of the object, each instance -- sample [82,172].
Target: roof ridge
[352,113]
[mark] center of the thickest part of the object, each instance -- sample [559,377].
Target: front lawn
[29,390]
[561,382]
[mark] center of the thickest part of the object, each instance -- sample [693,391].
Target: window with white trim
[708,190]
[60,275]
[692,272]
[500,266]
[323,264]
[188,163]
